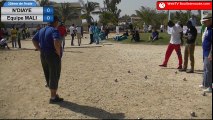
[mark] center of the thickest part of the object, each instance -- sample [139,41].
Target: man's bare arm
[57,45]
[36,44]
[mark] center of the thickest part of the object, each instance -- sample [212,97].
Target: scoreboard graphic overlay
[25,11]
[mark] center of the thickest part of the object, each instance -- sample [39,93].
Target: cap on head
[207,17]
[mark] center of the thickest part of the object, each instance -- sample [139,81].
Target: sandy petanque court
[110,80]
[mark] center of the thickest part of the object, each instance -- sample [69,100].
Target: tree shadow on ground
[91,111]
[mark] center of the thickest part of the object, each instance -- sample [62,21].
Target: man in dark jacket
[190,36]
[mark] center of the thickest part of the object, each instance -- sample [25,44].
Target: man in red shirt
[63,33]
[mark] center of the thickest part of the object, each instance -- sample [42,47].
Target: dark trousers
[91,38]
[207,75]
[189,53]
[72,39]
[19,42]
[14,42]
[51,64]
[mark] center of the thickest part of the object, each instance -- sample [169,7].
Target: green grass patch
[164,39]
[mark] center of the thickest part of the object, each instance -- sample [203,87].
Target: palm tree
[66,12]
[147,15]
[88,9]
[111,6]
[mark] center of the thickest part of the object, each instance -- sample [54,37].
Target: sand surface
[102,81]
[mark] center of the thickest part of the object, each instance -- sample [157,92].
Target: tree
[106,17]
[125,18]
[147,15]
[180,16]
[162,18]
[111,6]
[65,11]
[88,9]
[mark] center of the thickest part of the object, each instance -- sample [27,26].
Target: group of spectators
[16,35]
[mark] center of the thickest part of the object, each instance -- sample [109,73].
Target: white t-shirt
[162,27]
[90,30]
[175,34]
[78,29]
[71,30]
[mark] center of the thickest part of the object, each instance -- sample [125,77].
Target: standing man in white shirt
[79,35]
[91,29]
[175,44]
[72,33]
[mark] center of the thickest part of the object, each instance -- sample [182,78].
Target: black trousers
[19,42]
[91,38]
[72,38]
[51,64]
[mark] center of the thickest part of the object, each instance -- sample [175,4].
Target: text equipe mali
[17,18]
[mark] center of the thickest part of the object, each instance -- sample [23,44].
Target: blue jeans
[207,75]
[63,42]
[96,38]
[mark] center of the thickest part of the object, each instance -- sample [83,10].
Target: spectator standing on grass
[47,41]
[174,44]
[191,36]
[14,37]
[207,54]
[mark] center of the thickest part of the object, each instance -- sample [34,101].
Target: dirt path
[104,81]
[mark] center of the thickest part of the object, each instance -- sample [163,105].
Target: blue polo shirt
[207,42]
[45,37]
